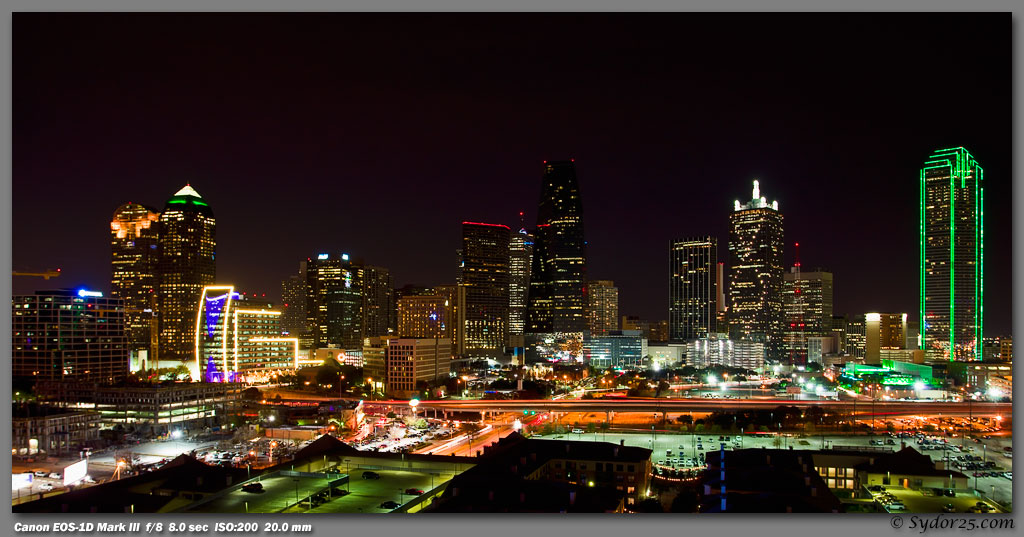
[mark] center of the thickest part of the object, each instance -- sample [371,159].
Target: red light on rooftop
[485,224]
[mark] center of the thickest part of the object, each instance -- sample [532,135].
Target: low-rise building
[624,349]
[528,475]
[154,408]
[974,376]
[718,349]
[51,430]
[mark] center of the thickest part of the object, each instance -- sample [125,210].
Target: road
[879,408]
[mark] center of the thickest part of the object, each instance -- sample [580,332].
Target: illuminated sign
[344,257]
[83,293]
[323,256]
[76,472]
[21,481]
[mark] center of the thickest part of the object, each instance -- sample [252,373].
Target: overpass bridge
[860,407]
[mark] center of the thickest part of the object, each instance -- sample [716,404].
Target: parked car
[55,475]
[253,487]
[371,475]
[46,487]
[390,504]
[949,492]
[414,491]
[39,473]
[876,488]
[948,508]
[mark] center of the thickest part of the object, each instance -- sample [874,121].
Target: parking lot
[279,492]
[928,501]
[367,495]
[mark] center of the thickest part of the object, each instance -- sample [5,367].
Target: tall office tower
[188,250]
[883,331]
[556,298]
[807,306]
[602,307]
[856,337]
[334,302]
[485,278]
[68,335]
[951,253]
[693,288]
[455,297]
[378,302]
[134,236]
[293,306]
[755,273]
[520,254]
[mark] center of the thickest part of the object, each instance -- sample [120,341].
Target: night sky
[377,135]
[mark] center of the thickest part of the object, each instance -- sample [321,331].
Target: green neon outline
[960,163]
[921,264]
[952,258]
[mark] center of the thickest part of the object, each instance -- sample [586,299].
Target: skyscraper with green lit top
[952,264]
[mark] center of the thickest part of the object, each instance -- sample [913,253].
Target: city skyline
[670,171]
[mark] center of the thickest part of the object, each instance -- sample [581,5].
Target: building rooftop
[188,199]
[501,482]
[766,481]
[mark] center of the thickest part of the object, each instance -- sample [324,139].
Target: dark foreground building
[521,475]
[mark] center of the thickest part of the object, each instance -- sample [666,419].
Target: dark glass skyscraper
[755,273]
[188,248]
[485,277]
[556,299]
[693,288]
[334,301]
[951,254]
[293,306]
[378,291]
[134,236]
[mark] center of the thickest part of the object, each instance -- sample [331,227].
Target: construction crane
[44,275]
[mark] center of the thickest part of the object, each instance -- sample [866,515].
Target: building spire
[757,190]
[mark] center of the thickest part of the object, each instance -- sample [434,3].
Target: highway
[880,408]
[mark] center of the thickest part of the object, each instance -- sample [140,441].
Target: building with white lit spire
[756,273]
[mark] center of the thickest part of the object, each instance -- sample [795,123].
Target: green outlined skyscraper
[952,264]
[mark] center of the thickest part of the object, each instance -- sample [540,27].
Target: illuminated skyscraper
[556,299]
[187,249]
[134,243]
[602,307]
[952,262]
[485,259]
[520,252]
[807,305]
[693,288]
[334,301]
[755,273]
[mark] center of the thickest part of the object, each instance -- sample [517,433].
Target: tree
[251,394]
[650,505]
[699,428]
[590,427]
